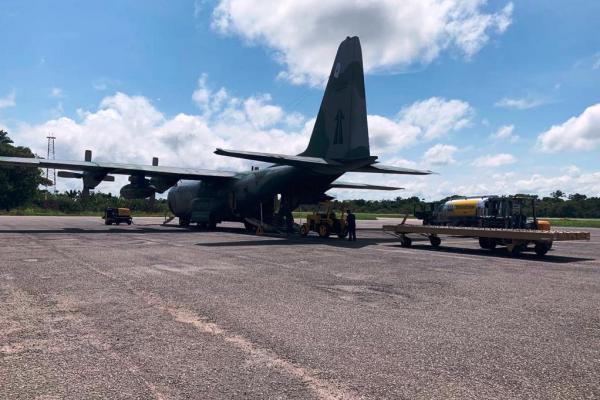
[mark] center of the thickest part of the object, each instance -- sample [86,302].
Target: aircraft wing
[352,185]
[389,169]
[119,168]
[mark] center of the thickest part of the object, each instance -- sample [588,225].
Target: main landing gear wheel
[405,241]
[435,241]
[184,221]
[323,231]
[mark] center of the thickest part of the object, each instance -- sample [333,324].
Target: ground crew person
[351,221]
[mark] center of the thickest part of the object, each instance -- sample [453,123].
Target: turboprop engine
[139,188]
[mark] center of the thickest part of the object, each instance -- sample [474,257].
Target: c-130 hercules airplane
[339,143]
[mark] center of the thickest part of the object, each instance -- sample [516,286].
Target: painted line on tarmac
[323,390]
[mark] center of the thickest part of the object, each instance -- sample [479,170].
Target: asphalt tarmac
[151,311]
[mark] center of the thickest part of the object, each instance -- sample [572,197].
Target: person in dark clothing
[351,222]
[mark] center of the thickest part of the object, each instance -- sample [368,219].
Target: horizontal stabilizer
[352,185]
[277,158]
[389,169]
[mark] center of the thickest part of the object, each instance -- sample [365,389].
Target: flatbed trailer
[515,240]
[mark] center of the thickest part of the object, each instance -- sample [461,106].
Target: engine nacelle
[181,196]
[137,191]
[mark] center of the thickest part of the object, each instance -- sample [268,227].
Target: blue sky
[133,79]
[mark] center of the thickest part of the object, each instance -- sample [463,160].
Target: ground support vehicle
[325,222]
[515,240]
[259,227]
[117,215]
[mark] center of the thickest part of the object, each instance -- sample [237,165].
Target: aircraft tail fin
[341,132]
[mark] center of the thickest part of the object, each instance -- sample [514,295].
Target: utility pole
[51,155]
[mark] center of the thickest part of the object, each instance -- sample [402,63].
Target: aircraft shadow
[499,252]
[133,230]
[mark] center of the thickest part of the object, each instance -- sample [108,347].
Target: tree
[18,185]
[557,194]
[577,197]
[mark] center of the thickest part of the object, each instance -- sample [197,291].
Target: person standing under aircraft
[351,222]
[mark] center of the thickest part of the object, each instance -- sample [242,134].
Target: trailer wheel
[541,248]
[487,243]
[515,249]
[435,241]
[405,241]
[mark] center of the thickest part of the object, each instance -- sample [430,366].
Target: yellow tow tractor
[325,222]
[117,215]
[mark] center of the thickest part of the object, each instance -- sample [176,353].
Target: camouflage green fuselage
[234,200]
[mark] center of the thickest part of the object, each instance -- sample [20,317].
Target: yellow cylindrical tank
[463,207]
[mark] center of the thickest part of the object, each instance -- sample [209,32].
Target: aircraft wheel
[406,241]
[435,241]
[323,231]
[183,221]
[304,230]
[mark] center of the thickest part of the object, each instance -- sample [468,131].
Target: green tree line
[557,205]
[20,190]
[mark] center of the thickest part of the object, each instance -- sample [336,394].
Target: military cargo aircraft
[339,143]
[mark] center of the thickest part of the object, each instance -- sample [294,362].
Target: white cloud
[519,104]
[584,183]
[387,135]
[9,100]
[304,34]
[492,161]
[427,119]
[577,133]
[440,154]
[131,129]
[505,132]
[596,64]
[56,92]
[572,170]
[437,117]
